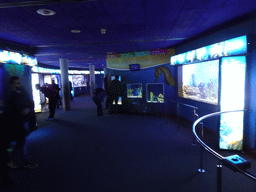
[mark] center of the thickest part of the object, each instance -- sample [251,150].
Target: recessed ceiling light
[45,12]
[75,31]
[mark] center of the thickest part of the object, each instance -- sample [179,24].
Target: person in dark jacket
[98,98]
[17,112]
[115,91]
[51,92]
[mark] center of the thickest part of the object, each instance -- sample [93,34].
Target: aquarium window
[79,81]
[134,90]
[233,70]
[199,81]
[155,93]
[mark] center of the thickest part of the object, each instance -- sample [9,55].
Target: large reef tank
[200,82]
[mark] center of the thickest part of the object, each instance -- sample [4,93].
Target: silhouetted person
[115,90]
[98,98]
[56,89]
[18,108]
[51,93]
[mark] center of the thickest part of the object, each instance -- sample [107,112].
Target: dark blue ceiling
[131,25]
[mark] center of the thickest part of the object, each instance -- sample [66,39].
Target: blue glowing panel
[155,93]
[233,70]
[36,93]
[113,77]
[134,90]
[200,82]
[236,46]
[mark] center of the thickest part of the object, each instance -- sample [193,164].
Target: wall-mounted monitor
[134,67]
[155,93]
[134,90]
[199,81]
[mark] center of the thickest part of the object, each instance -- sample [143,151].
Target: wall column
[65,84]
[92,78]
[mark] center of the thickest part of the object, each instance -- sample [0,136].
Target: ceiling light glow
[45,12]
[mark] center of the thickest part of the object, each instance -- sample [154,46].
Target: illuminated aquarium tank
[232,97]
[79,80]
[155,93]
[134,90]
[200,82]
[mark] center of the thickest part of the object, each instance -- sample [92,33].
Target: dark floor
[79,152]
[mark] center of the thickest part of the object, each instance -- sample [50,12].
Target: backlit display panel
[233,70]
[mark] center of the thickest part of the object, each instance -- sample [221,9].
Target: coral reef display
[134,90]
[200,82]
[155,93]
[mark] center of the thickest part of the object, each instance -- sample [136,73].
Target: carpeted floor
[79,152]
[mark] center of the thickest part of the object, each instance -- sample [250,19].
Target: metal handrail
[210,150]
[191,106]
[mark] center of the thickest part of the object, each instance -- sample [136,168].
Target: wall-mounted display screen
[79,81]
[155,93]
[232,97]
[199,81]
[134,67]
[134,90]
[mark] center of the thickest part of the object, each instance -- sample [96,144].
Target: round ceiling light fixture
[75,31]
[45,12]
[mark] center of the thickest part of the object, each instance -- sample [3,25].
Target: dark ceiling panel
[130,26]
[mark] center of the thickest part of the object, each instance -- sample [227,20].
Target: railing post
[201,169]
[219,177]
[196,116]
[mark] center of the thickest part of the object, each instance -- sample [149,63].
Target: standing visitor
[18,108]
[115,90]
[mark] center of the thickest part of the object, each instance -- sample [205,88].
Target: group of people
[113,91]
[19,117]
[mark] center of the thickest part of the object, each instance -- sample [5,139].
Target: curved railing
[210,150]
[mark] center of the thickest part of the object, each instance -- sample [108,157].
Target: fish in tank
[155,93]
[134,90]
[200,82]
